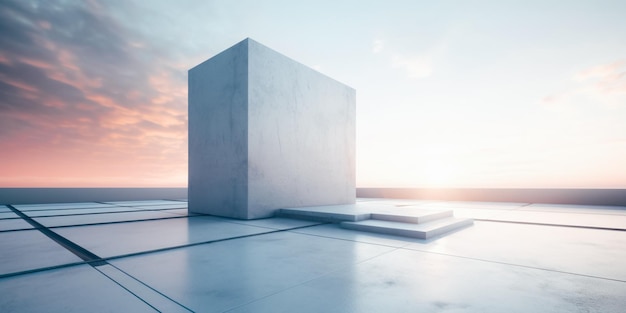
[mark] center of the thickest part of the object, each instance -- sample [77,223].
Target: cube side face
[218,128]
[301,135]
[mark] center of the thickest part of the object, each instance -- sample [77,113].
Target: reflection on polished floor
[146,256]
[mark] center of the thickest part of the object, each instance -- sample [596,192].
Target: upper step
[411,216]
[421,231]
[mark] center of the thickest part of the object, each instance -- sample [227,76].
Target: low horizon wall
[609,197]
[63,195]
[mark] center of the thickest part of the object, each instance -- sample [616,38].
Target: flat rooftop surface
[147,256]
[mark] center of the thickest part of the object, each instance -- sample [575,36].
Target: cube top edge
[248,42]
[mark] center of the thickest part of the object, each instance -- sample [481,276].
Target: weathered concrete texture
[266,132]
[218,134]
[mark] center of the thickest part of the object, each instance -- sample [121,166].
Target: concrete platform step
[329,213]
[421,231]
[411,216]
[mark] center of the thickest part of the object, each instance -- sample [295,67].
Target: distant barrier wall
[62,195]
[613,197]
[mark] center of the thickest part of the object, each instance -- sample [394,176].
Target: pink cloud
[607,78]
[81,113]
[600,71]
[602,84]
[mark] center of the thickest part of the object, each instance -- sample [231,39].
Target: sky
[474,94]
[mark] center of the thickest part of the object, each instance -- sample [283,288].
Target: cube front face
[279,135]
[218,134]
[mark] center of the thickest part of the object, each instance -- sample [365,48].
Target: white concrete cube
[266,132]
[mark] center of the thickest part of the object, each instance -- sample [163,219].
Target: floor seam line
[549,224]
[351,240]
[150,287]
[69,245]
[117,222]
[128,290]
[64,208]
[96,213]
[42,269]
[18,229]
[512,264]
[204,242]
[584,213]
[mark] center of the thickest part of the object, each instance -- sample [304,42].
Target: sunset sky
[511,94]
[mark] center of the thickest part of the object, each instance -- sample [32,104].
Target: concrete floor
[151,256]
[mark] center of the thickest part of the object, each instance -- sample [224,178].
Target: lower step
[421,231]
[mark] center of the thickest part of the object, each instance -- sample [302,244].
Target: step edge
[455,223]
[412,219]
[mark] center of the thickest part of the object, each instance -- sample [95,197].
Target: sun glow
[438,174]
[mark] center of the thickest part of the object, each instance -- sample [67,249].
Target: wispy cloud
[75,80]
[420,66]
[604,84]
[602,71]
[606,78]
[417,63]
[377,46]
